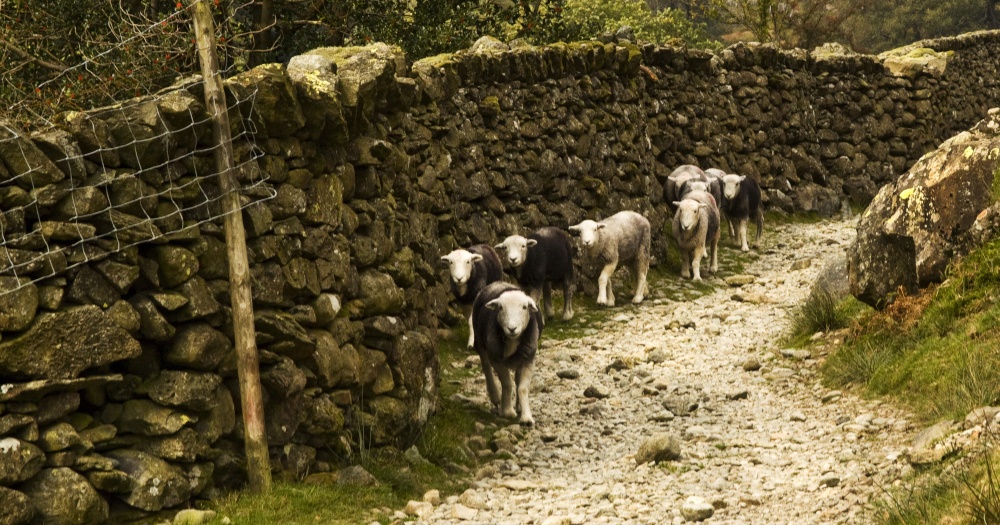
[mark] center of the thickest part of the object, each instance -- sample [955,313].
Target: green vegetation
[821,312]
[592,17]
[937,353]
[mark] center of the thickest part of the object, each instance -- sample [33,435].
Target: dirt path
[767,446]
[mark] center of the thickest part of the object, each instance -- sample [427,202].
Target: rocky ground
[761,440]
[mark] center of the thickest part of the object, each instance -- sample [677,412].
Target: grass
[822,312]
[937,353]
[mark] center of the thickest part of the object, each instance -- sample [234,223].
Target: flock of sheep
[504,319]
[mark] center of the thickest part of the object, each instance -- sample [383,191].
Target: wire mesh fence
[77,186]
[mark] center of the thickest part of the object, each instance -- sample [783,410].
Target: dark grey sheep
[507,324]
[471,270]
[740,203]
[542,258]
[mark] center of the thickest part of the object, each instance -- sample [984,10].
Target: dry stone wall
[117,379]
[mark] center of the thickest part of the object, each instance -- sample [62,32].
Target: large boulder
[921,222]
[63,344]
[63,497]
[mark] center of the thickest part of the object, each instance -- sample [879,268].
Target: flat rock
[597,391]
[697,509]
[61,345]
[740,280]
[659,447]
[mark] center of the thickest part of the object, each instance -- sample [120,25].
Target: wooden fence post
[258,461]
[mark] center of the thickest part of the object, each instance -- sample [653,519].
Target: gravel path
[764,446]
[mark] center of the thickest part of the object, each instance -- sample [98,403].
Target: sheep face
[588,232]
[688,212]
[514,310]
[731,186]
[460,265]
[516,248]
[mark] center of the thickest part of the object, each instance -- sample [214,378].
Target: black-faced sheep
[677,179]
[471,270]
[740,203]
[542,258]
[696,230]
[622,238]
[507,325]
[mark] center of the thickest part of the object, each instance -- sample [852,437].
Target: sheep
[715,176]
[740,202]
[696,227]
[624,237]
[543,258]
[507,325]
[677,179]
[713,188]
[471,270]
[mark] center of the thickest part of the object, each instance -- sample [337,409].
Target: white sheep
[695,228]
[622,238]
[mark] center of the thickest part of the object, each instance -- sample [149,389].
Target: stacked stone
[118,374]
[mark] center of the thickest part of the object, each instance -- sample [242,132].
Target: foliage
[936,352]
[865,25]
[893,23]
[592,17]
[822,312]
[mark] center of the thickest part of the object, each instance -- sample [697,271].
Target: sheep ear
[532,305]
[500,246]
[600,226]
[532,242]
[743,178]
[493,305]
[476,257]
[445,259]
[574,228]
[677,203]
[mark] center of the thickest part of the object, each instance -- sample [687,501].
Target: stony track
[761,446]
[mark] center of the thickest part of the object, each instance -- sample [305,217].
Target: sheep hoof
[567,316]
[637,299]
[696,278]
[509,413]
[527,422]
[602,302]
[744,249]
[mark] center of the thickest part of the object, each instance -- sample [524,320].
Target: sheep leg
[523,379]
[732,229]
[507,391]
[605,295]
[472,332]
[699,252]
[547,296]
[715,254]
[760,227]
[640,270]
[743,235]
[567,300]
[492,389]
[536,295]
[685,263]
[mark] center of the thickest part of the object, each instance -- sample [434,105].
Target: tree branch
[55,66]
